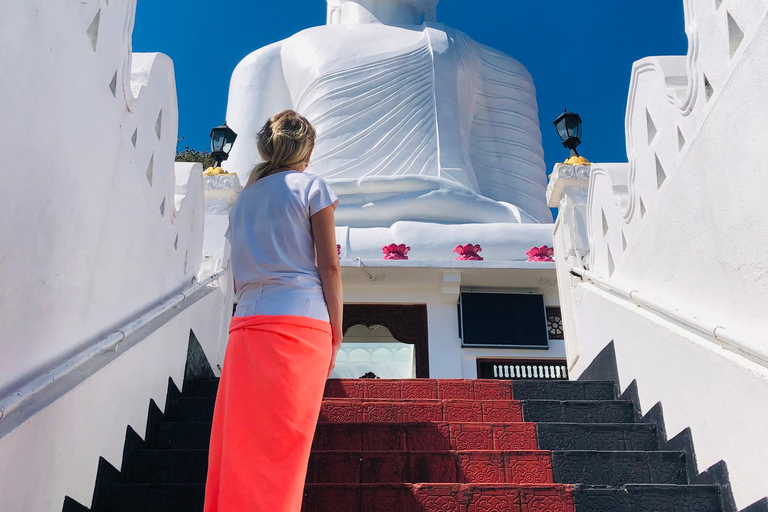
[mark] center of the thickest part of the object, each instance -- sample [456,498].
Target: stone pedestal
[220,192]
[568,190]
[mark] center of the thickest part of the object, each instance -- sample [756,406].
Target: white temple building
[113,255]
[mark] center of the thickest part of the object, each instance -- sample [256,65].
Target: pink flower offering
[468,252]
[395,252]
[542,253]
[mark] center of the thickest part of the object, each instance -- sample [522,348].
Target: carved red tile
[383,437]
[330,436]
[520,436]
[481,467]
[428,437]
[493,390]
[421,411]
[330,498]
[551,499]
[455,389]
[388,389]
[413,389]
[388,498]
[347,411]
[487,498]
[462,410]
[471,436]
[435,467]
[344,388]
[441,498]
[385,467]
[381,412]
[334,468]
[502,411]
[528,468]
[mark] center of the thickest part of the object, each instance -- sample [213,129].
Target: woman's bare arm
[324,232]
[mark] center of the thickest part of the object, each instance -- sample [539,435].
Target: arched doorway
[406,323]
[370,352]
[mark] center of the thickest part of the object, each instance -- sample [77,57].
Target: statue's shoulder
[336,46]
[311,35]
[309,42]
[263,56]
[273,52]
[487,56]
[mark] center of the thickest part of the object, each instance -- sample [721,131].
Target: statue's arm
[505,145]
[257,91]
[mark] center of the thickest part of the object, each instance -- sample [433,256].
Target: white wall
[700,245]
[85,244]
[56,452]
[99,228]
[683,225]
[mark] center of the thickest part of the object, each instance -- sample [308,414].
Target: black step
[201,388]
[649,498]
[607,437]
[190,409]
[153,498]
[182,436]
[578,411]
[168,467]
[563,390]
[619,468]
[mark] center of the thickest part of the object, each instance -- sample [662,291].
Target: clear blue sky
[580,53]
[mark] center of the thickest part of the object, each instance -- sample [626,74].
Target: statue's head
[386,11]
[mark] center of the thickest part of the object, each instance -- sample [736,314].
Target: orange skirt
[266,412]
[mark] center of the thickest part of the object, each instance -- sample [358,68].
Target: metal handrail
[110,343]
[709,330]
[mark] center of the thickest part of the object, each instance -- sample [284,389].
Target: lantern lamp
[222,139]
[568,127]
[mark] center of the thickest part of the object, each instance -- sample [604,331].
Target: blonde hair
[286,140]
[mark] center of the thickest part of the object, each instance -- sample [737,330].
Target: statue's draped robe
[376,119]
[439,105]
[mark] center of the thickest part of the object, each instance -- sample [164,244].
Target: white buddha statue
[418,125]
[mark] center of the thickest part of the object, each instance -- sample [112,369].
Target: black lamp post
[222,138]
[569,129]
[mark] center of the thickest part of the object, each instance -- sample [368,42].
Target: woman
[286,331]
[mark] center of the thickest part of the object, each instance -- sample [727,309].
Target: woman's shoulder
[306,176]
[314,179]
[306,181]
[291,182]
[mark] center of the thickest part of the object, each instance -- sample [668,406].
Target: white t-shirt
[273,250]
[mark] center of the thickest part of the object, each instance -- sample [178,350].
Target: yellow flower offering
[215,171]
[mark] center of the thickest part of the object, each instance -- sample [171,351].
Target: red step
[425,436]
[383,411]
[437,498]
[415,389]
[488,466]
[426,445]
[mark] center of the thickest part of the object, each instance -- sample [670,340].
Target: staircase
[432,446]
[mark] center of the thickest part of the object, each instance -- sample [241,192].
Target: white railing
[50,385]
[708,329]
